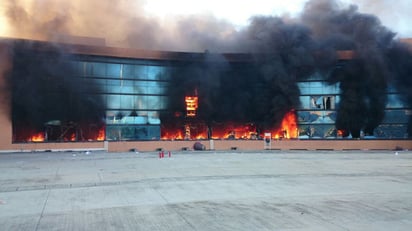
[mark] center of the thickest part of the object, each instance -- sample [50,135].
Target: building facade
[133,90]
[319,105]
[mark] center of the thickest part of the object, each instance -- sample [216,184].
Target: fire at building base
[153,100]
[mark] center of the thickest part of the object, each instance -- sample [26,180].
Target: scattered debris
[199,146]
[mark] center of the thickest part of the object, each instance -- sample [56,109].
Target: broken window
[328,102]
[322,102]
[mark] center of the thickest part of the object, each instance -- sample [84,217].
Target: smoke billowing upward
[261,93]
[287,50]
[123,23]
[283,50]
[363,81]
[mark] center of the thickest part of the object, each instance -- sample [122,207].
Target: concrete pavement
[267,190]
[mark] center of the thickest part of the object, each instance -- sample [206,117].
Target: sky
[397,16]
[122,22]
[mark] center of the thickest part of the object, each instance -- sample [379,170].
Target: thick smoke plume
[399,58]
[282,51]
[261,93]
[47,93]
[363,81]
[123,23]
[287,50]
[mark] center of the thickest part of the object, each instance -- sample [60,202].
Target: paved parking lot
[270,190]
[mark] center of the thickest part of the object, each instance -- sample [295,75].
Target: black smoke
[47,92]
[258,90]
[284,50]
[399,58]
[363,80]
[280,52]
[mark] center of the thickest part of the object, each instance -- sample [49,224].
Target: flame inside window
[197,129]
[191,105]
[39,137]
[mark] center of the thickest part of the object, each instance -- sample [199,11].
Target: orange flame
[191,105]
[196,130]
[170,135]
[39,137]
[101,135]
[288,128]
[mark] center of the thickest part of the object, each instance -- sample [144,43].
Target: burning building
[331,73]
[78,93]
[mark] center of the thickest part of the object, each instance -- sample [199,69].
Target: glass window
[126,101]
[113,89]
[140,72]
[151,87]
[154,72]
[153,117]
[127,82]
[317,117]
[305,102]
[317,131]
[128,71]
[394,101]
[88,68]
[312,88]
[98,69]
[113,70]
[132,132]
[396,116]
[391,131]
[155,102]
[127,89]
[113,101]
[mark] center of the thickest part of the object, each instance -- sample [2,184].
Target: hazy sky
[168,24]
[395,14]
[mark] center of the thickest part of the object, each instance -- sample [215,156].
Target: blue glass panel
[155,102]
[126,101]
[133,132]
[154,72]
[396,116]
[153,118]
[391,131]
[140,72]
[113,70]
[305,102]
[127,89]
[317,88]
[128,71]
[98,69]
[318,131]
[127,82]
[113,101]
[114,82]
[316,117]
[394,101]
